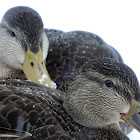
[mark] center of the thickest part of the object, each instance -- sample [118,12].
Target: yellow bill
[133,116]
[35,69]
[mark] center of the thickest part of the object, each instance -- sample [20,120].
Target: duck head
[103,93]
[24,45]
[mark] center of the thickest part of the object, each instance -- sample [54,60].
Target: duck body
[38,110]
[68,51]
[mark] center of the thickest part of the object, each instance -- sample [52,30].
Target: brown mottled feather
[39,111]
[38,107]
[68,51]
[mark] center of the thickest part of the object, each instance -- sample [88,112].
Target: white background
[115,21]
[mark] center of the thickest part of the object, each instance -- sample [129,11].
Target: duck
[23,46]
[68,51]
[102,93]
[22,36]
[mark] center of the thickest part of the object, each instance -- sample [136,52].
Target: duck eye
[12,34]
[109,83]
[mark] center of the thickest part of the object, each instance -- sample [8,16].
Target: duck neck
[109,132]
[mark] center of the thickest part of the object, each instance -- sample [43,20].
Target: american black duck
[23,46]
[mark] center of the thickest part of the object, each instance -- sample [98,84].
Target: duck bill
[133,116]
[35,69]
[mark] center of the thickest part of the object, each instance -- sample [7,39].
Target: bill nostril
[122,114]
[32,64]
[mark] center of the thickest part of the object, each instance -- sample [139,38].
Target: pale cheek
[15,57]
[20,59]
[45,46]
